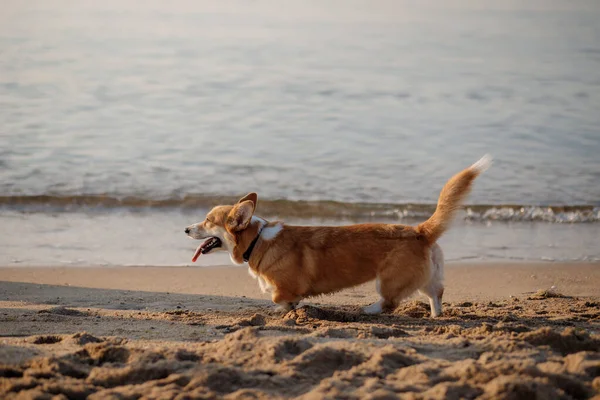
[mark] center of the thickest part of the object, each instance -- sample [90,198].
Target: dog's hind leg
[434,288]
[376,307]
[391,295]
[397,281]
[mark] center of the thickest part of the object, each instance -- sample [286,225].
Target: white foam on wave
[533,213]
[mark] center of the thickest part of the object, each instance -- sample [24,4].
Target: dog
[296,262]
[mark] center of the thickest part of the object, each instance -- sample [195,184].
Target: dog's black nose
[187,230]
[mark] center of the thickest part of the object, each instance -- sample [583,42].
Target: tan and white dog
[296,262]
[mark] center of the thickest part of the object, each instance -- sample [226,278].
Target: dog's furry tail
[453,194]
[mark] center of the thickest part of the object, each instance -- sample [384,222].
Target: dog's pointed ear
[253,197]
[240,216]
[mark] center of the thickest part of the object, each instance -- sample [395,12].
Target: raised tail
[453,194]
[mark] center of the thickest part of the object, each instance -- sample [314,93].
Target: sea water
[122,122]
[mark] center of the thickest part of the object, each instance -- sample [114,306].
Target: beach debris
[82,338]
[542,294]
[255,320]
[61,310]
[464,304]
[47,339]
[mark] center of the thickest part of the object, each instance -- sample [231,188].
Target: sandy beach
[124,122]
[508,331]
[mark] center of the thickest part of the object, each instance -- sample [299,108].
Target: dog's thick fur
[295,262]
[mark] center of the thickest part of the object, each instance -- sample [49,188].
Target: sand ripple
[542,347]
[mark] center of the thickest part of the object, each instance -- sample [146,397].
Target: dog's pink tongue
[197,253]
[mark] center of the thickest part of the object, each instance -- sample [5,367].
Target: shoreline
[120,239]
[463,281]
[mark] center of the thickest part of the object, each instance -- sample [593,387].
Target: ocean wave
[324,209]
[533,213]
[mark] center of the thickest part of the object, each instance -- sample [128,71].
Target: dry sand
[163,332]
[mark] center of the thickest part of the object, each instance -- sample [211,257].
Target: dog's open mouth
[206,246]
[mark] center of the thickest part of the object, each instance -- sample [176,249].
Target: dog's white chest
[264,285]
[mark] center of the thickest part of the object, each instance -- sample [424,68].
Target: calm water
[353,101]
[357,102]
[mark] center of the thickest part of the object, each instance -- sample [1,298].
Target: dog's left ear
[253,197]
[240,216]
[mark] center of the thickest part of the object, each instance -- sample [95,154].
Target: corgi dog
[296,262]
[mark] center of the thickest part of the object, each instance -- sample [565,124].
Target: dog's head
[225,229]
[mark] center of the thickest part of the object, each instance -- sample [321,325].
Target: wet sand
[184,332]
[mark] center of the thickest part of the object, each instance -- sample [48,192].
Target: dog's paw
[285,307]
[375,308]
[282,309]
